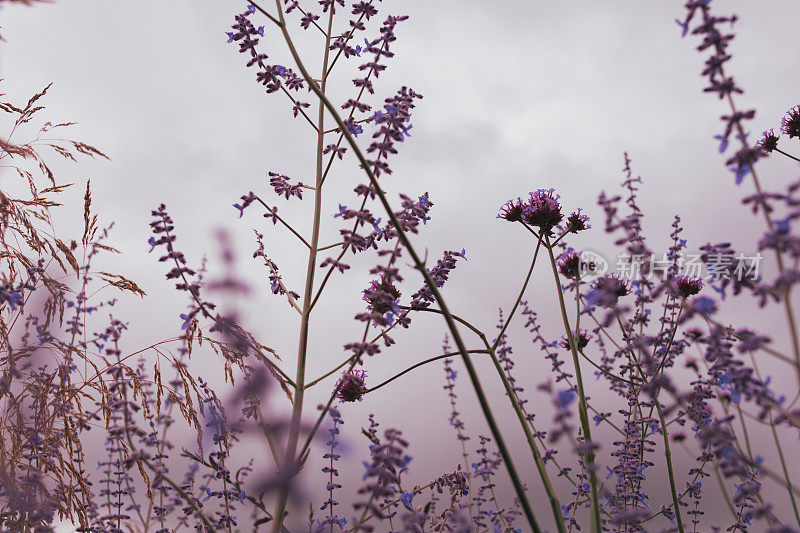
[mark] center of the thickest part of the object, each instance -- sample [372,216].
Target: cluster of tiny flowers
[351,386]
[581,338]
[607,290]
[768,141]
[382,296]
[569,265]
[577,222]
[543,210]
[790,125]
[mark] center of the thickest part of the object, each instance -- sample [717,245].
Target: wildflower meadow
[390,266]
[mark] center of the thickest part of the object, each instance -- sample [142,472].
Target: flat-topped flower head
[543,210]
[577,221]
[607,290]
[688,285]
[352,386]
[512,210]
[569,264]
[768,141]
[381,295]
[790,125]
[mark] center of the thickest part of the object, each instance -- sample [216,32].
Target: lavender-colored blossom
[543,210]
[352,386]
[790,124]
[577,222]
[687,286]
[768,141]
[512,210]
[381,296]
[607,290]
[581,337]
[570,265]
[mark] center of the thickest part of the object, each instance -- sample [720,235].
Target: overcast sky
[517,95]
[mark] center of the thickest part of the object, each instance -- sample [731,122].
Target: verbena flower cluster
[114,439]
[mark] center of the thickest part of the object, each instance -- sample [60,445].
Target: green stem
[668,457]
[419,265]
[290,464]
[779,448]
[519,296]
[552,497]
[784,468]
[724,491]
[584,418]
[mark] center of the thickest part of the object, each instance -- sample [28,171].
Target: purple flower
[307,20]
[569,264]
[790,125]
[353,128]
[406,498]
[582,338]
[543,210]
[768,141]
[14,298]
[187,319]
[577,221]
[247,199]
[512,210]
[352,386]
[282,186]
[381,296]
[607,290]
[688,286]
[564,398]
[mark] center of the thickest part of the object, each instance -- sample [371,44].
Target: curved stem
[419,265]
[421,363]
[519,296]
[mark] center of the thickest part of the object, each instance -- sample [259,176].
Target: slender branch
[584,418]
[274,213]
[290,464]
[668,457]
[421,363]
[518,488]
